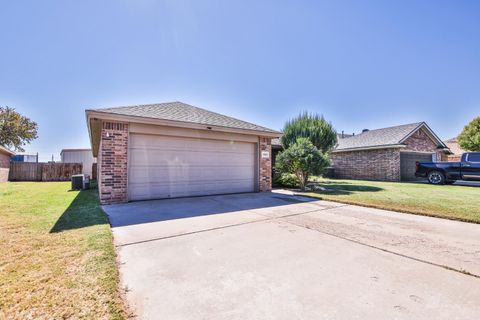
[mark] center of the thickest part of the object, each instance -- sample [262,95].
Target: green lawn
[57,258]
[448,201]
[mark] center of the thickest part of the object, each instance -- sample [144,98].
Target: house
[387,154]
[5,156]
[173,149]
[83,156]
[25,157]
[457,151]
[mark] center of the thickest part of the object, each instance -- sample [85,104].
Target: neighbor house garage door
[407,163]
[167,167]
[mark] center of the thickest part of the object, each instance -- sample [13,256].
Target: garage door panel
[151,174]
[187,189]
[179,158]
[165,167]
[143,142]
[407,163]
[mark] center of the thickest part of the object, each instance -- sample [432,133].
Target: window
[473,157]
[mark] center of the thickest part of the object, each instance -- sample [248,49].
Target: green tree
[302,159]
[311,126]
[469,139]
[16,130]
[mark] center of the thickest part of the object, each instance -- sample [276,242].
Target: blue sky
[362,64]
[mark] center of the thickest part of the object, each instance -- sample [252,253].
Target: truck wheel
[436,177]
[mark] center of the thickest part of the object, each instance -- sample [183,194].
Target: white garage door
[167,167]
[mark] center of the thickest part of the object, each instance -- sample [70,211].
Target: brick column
[112,178]
[265,174]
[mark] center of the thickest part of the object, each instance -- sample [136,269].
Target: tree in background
[469,139]
[313,127]
[16,130]
[302,159]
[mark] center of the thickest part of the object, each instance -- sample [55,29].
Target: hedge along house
[5,156]
[173,149]
[387,154]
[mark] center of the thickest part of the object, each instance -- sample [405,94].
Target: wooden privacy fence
[32,171]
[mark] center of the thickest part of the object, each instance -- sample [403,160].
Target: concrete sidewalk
[273,256]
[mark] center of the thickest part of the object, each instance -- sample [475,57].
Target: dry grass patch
[57,258]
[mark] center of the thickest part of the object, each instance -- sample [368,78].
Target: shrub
[313,127]
[302,159]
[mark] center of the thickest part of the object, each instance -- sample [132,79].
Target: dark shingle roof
[178,111]
[378,137]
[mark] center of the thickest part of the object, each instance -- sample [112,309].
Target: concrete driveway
[276,256]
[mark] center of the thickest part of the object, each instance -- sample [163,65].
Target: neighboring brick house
[173,149]
[387,154]
[457,151]
[5,156]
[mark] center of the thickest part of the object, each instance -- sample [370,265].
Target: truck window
[473,157]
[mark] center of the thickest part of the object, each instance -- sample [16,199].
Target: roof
[7,151]
[383,138]
[453,145]
[182,112]
[73,150]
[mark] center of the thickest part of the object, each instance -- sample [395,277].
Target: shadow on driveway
[170,209]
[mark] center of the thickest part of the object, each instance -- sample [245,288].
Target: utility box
[78,182]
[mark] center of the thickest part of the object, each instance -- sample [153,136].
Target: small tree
[469,139]
[16,130]
[311,126]
[302,159]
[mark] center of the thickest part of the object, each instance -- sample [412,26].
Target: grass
[447,201]
[57,258]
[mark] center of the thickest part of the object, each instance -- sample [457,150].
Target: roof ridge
[400,125]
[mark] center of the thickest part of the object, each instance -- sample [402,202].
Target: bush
[313,127]
[287,180]
[302,159]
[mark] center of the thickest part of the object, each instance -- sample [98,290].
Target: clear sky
[362,64]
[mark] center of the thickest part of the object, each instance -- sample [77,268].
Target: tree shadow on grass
[334,188]
[83,211]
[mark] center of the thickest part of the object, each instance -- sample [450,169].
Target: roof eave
[7,151]
[390,146]
[95,114]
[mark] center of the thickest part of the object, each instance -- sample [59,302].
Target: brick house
[5,156]
[457,151]
[387,154]
[173,149]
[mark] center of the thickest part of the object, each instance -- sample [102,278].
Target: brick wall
[421,141]
[4,167]
[381,164]
[112,163]
[265,176]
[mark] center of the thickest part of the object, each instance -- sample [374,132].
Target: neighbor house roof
[7,151]
[453,145]
[390,137]
[182,112]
